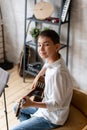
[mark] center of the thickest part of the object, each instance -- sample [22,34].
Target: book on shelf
[35,67]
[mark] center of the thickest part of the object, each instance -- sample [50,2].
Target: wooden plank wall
[1,45]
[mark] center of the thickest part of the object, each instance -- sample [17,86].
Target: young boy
[53,111]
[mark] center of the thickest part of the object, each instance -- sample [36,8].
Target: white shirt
[57,93]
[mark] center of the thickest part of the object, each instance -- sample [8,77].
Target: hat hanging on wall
[43,10]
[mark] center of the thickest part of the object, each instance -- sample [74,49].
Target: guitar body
[37,94]
[21,59]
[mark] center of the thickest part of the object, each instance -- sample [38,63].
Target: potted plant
[35,32]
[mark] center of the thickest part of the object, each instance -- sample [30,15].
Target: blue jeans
[32,123]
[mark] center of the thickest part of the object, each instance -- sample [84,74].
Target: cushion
[79,100]
[76,120]
[85,128]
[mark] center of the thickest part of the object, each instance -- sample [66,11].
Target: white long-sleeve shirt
[57,93]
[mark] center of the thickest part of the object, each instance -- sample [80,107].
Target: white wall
[13,17]
[78,64]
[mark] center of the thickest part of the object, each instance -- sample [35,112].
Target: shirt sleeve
[46,65]
[61,92]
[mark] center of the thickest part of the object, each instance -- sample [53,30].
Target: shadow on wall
[11,30]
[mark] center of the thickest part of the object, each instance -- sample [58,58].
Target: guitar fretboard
[41,85]
[65,9]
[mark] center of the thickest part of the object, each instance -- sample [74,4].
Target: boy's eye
[39,45]
[46,44]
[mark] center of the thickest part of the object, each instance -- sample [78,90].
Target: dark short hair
[53,35]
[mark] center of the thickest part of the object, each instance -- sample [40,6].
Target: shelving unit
[63,18]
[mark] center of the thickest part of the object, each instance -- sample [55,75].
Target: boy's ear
[57,47]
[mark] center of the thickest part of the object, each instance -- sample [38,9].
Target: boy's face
[46,48]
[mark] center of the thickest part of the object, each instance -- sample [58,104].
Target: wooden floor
[17,89]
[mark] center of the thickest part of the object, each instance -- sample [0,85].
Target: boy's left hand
[27,102]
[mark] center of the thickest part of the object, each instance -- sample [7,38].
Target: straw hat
[43,10]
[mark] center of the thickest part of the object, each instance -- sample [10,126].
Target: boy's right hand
[35,82]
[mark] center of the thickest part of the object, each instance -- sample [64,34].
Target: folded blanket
[4,76]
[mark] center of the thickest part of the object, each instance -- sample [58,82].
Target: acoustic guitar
[37,94]
[21,60]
